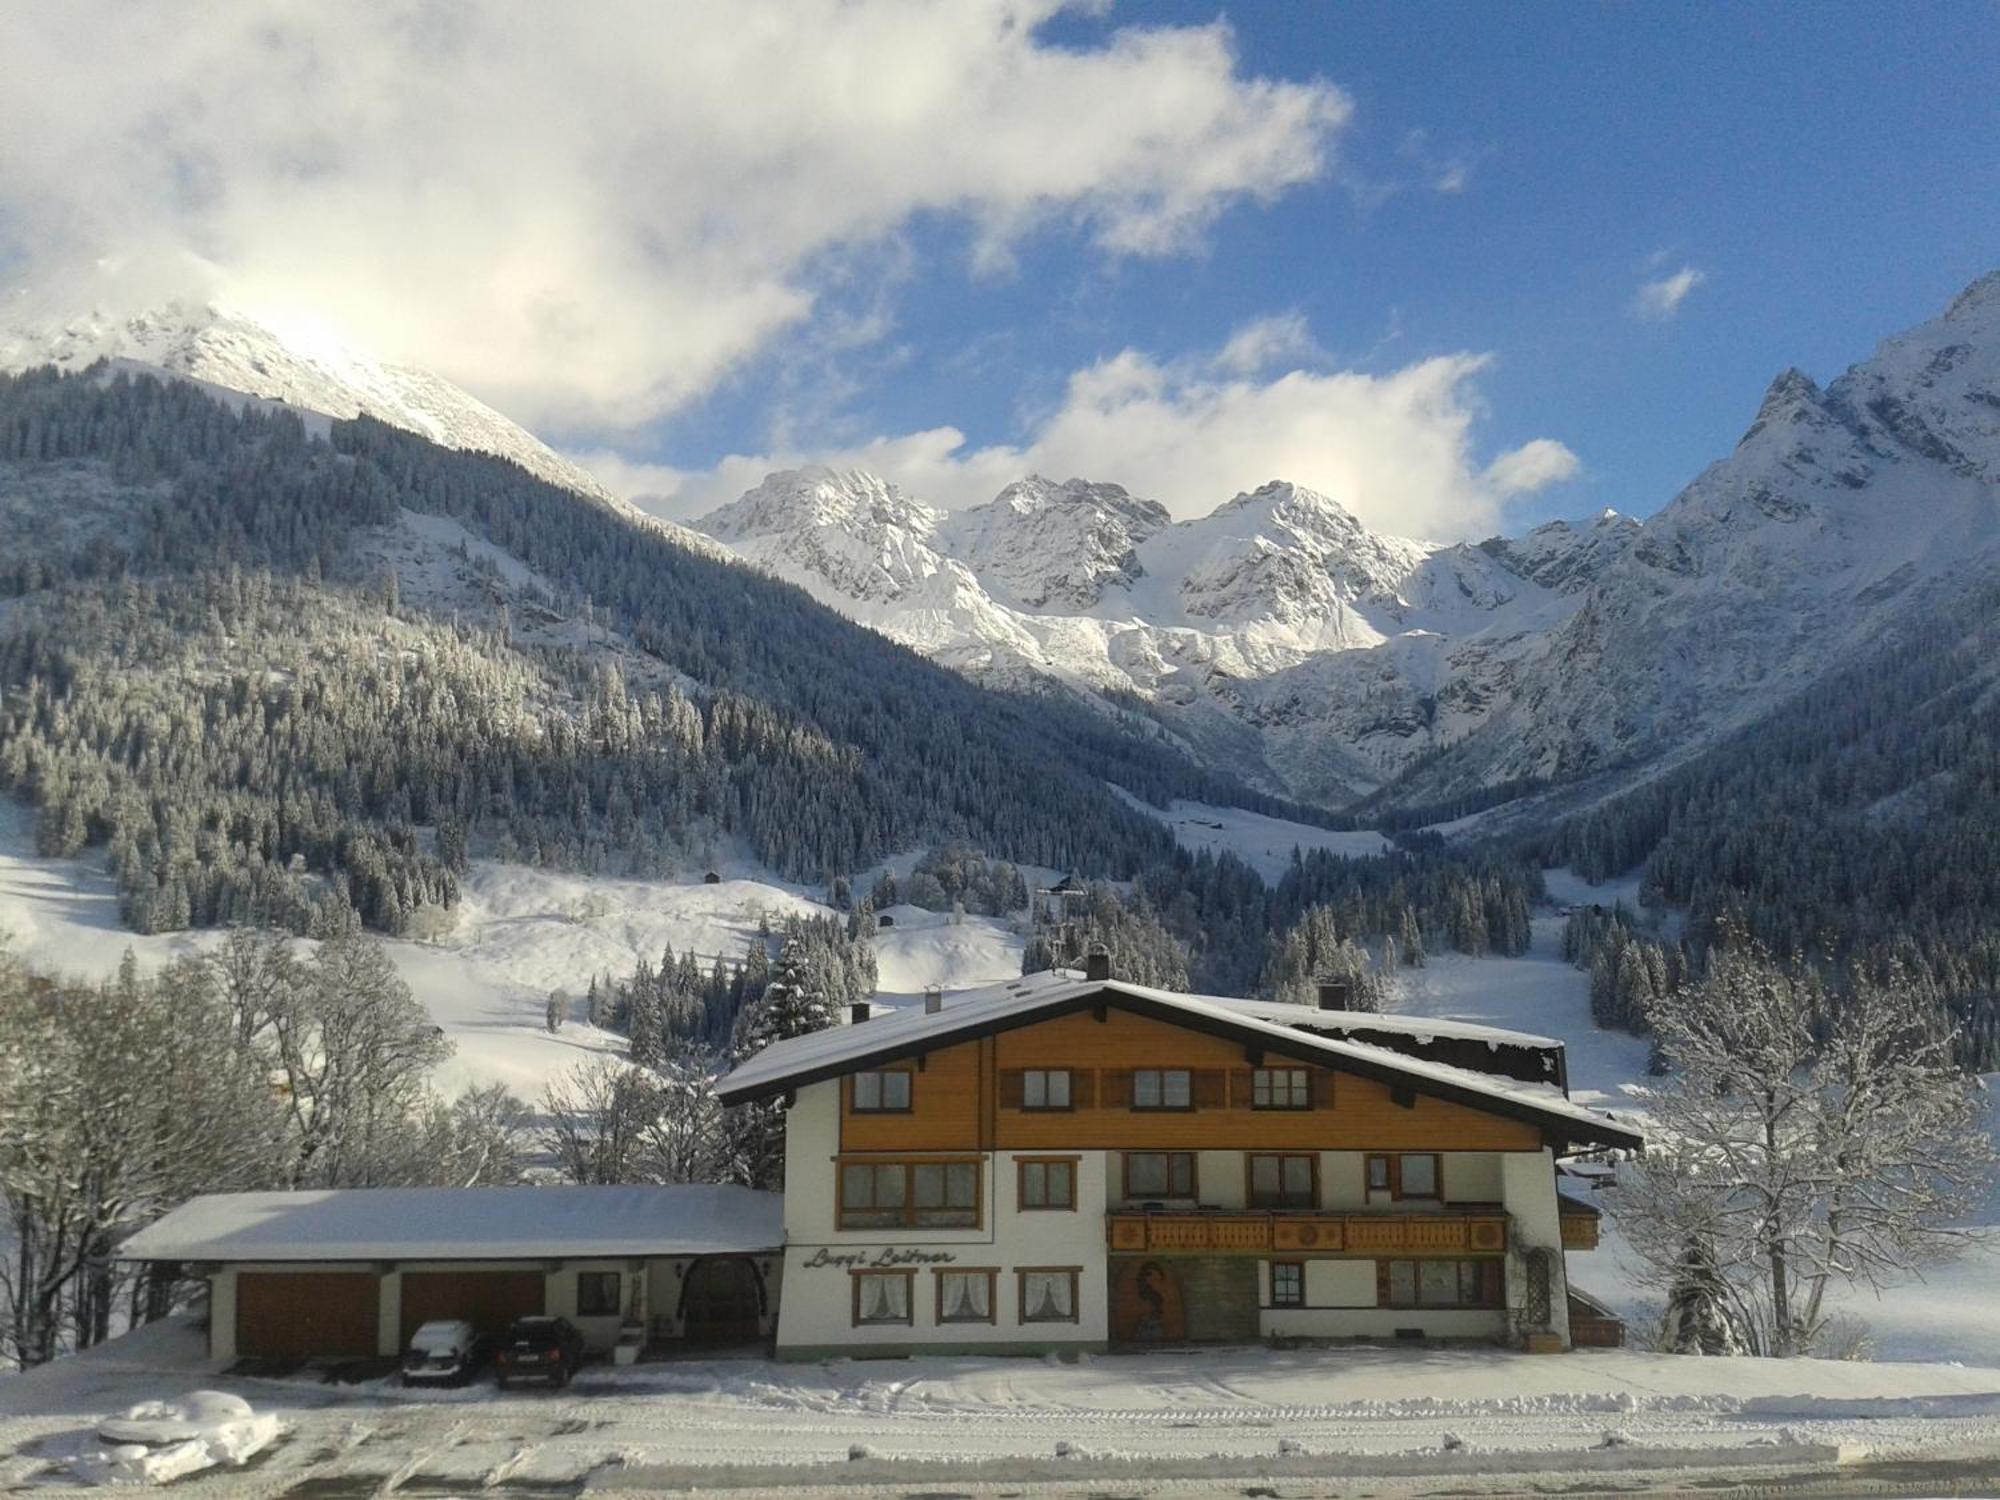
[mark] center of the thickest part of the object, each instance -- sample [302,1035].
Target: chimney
[1333,994]
[933,999]
[857,1012]
[1097,963]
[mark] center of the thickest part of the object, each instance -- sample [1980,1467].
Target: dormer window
[882,1093]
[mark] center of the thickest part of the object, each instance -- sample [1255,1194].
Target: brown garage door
[488,1300]
[295,1313]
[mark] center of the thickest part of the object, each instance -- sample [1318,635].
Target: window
[1288,1284]
[1419,1177]
[965,1296]
[882,1093]
[1439,1283]
[881,1297]
[1162,1088]
[1048,1182]
[1409,1175]
[1159,1174]
[1048,1295]
[598,1294]
[1045,1088]
[1281,1088]
[1284,1182]
[900,1194]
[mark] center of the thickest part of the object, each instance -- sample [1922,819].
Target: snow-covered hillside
[229,350]
[1279,636]
[519,934]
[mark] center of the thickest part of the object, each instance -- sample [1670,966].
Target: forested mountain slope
[1859,823]
[281,677]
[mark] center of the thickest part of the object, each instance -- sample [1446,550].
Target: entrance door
[721,1301]
[1146,1306]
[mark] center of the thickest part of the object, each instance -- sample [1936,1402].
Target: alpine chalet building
[1069,1162]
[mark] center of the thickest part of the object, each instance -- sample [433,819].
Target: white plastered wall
[1535,1222]
[816,1311]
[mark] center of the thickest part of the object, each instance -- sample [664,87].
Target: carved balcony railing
[1260,1232]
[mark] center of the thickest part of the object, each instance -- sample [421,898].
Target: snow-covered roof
[1419,1028]
[825,1054]
[480,1223]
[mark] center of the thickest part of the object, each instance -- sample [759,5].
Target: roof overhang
[1562,1128]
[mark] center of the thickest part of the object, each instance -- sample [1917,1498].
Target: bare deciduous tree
[1807,1140]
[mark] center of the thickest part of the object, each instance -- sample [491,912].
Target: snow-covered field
[1398,1420]
[1262,842]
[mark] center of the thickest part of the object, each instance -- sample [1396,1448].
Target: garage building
[353,1272]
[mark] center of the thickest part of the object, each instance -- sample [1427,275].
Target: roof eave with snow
[787,1066]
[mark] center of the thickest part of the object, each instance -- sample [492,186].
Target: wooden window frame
[908,1208]
[1303,1075]
[854,1105]
[1250,1159]
[1393,1174]
[1163,1108]
[1288,1265]
[909,1318]
[1194,1176]
[1021,1275]
[1068,1106]
[992,1275]
[1021,1165]
[1489,1272]
[617,1294]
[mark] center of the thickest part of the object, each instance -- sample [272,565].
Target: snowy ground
[1398,1419]
[1954,1313]
[519,934]
[1263,843]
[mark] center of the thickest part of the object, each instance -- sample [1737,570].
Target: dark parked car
[445,1352]
[540,1348]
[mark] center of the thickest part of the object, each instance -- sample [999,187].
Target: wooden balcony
[1579,1223]
[1262,1232]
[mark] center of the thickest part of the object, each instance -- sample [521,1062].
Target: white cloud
[1396,449]
[1535,465]
[590,214]
[1264,343]
[1660,299]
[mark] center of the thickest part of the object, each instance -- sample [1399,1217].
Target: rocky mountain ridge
[1328,662]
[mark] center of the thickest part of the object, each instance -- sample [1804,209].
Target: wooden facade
[966,1096]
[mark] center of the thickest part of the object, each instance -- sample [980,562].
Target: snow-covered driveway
[1232,1419]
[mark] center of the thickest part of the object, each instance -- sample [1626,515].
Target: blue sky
[1831,171]
[1398,252]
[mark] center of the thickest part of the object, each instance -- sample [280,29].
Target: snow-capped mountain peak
[305,368]
[1039,542]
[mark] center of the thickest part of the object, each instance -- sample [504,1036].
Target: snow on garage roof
[479,1223]
[826,1054]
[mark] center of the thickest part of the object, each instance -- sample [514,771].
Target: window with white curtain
[965,1296]
[881,1297]
[1048,1296]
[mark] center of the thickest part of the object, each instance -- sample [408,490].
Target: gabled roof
[788,1065]
[478,1223]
